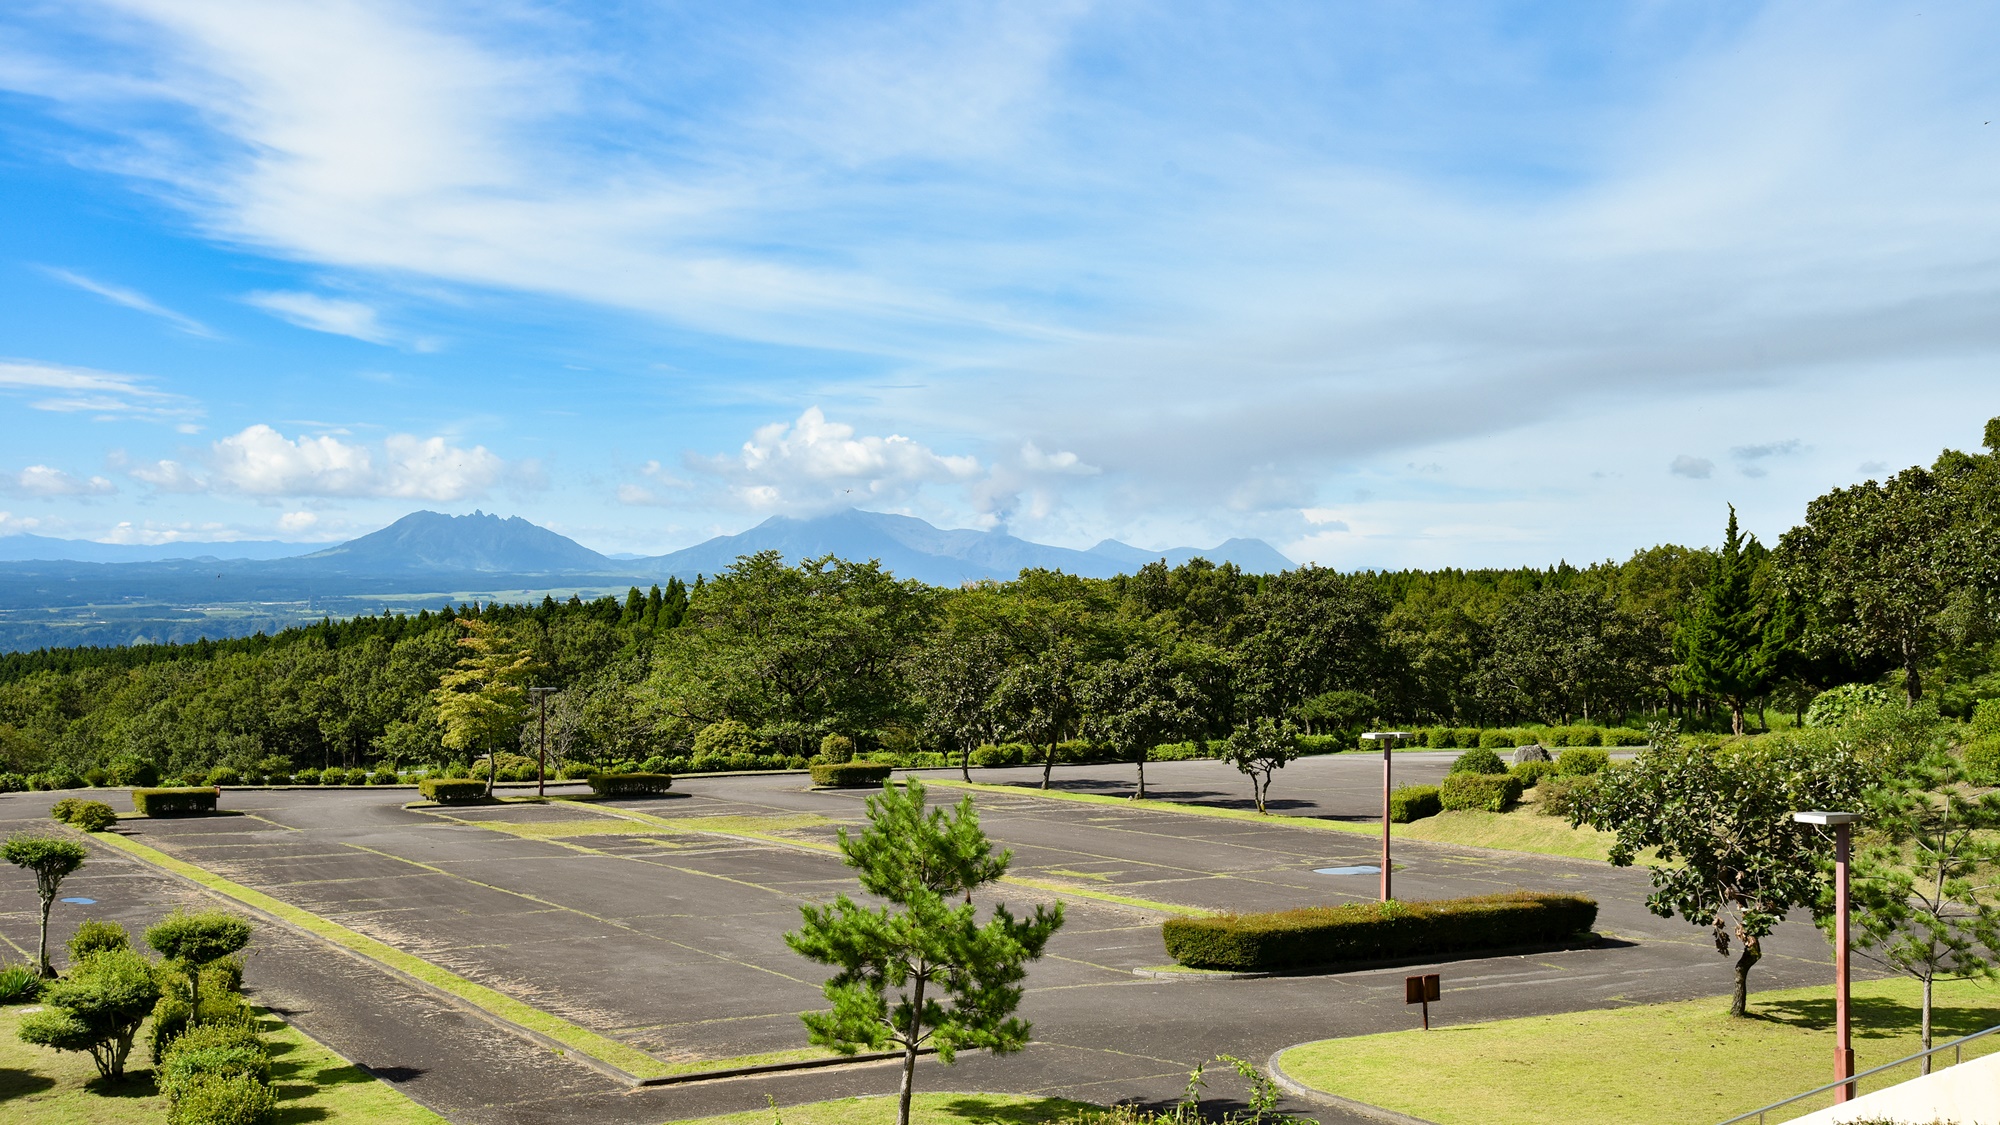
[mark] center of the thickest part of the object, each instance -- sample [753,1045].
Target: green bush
[850,775]
[216,1074]
[836,748]
[383,777]
[12,783]
[233,1100]
[1007,754]
[1585,736]
[173,802]
[1414,802]
[306,776]
[96,1009]
[1529,774]
[62,809]
[452,790]
[223,775]
[1982,760]
[19,984]
[630,784]
[1485,792]
[1441,738]
[1841,705]
[1495,740]
[221,1004]
[96,778]
[134,771]
[95,936]
[91,816]
[727,737]
[1370,931]
[1562,796]
[1480,760]
[1582,761]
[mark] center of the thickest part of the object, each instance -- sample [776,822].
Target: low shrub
[1369,931]
[1441,738]
[1563,796]
[1464,738]
[12,783]
[452,790]
[134,771]
[1586,736]
[1529,774]
[990,756]
[62,809]
[1982,760]
[836,748]
[850,775]
[630,784]
[211,1062]
[1414,802]
[60,779]
[1480,760]
[173,802]
[222,1005]
[306,776]
[1484,792]
[1581,761]
[19,984]
[87,816]
[356,776]
[223,775]
[95,936]
[1325,743]
[383,777]
[96,777]
[1624,736]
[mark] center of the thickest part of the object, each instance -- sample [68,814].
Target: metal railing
[1957,1055]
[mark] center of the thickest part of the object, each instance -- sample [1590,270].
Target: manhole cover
[1362,870]
[81,901]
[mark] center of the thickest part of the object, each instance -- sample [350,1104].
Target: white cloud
[47,482]
[260,461]
[80,390]
[133,299]
[1693,468]
[814,464]
[294,522]
[332,315]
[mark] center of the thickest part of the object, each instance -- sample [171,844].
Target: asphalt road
[673,941]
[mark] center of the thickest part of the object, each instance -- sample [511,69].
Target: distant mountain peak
[478,543]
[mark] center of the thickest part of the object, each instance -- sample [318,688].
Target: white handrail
[1956,1057]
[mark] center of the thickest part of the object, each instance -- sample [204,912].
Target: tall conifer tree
[1730,645]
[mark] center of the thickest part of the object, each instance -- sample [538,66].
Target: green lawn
[1656,1064]
[925,1109]
[59,1088]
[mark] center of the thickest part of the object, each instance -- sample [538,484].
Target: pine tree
[651,619]
[897,962]
[1731,645]
[673,604]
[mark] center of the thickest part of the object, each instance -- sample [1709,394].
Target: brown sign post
[1421,990]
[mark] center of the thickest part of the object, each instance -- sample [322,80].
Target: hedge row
[452,790]
[1485,792]
[630,784]
[1373,931]
[173,802]
[1414,802]
[850,775]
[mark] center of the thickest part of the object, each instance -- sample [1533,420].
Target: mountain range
[432,543]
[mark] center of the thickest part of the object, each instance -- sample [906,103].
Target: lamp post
[1388,739]
[1843,1046]
[541,695]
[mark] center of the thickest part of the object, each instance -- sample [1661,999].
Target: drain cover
[1362,870]
[82,901]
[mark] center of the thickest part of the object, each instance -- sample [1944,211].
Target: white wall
[1967,1094]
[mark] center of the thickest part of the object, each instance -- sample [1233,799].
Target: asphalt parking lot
[672,941]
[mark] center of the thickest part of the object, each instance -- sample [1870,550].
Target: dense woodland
[1891,582]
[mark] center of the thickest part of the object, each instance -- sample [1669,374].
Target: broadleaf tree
[482,703]
[921,970]
[1134,704]
[1260,749]
[1039,702]
[1729,857]
[51,860]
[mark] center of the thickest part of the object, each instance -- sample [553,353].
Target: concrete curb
[1304,1092]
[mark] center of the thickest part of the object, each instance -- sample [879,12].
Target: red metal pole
[1385,823]
[1843,1048]
[542,739]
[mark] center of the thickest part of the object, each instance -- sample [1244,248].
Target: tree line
[1892,581]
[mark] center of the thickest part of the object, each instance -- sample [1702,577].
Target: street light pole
[1388,739]
[1843,1029]
[541,695]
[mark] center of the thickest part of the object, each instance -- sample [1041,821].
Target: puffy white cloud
[815,464]
[80,390]
[44,481]
[260,461]
[294,522]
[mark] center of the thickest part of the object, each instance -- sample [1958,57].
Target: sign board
[1418,990]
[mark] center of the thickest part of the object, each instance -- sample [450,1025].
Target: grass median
[312,1083]
[925,1109]
[1655,1064]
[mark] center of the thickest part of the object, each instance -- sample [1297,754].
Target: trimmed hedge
[1579,761]
[87,816]
[1529,774]
[1373,931]
[1414,802]
[1486,792]
[173,802]
[630,784]
[452,790]
[850,775]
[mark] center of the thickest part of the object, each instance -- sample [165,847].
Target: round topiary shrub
[1582,761]
[836,748]
[1479,760]
[1836,707]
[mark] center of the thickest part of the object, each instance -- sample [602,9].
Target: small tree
[954,681]
[1721,821]
[1923,882]
[1134,705]
[897,964]
[52,860]
[1732,643]
[1261,750]
[97,1009]
[481,703]
[1039,700]
[194,941]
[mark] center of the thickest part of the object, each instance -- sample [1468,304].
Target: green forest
[1887,582]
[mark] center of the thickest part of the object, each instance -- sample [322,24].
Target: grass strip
[582,1040]
[1520,830]
[312,1084]
[1652,1064]
[925,1109]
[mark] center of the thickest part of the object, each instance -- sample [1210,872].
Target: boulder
[1533,752]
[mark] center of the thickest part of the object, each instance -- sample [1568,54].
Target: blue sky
[1384,284]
